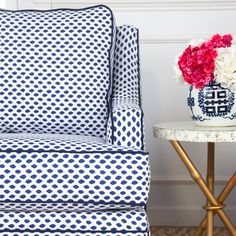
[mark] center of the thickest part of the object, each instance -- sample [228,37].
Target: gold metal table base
[213,206]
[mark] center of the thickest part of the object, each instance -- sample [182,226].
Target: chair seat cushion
[53,219]
[56,70]
[71,168]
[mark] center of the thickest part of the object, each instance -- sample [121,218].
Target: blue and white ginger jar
[212,105]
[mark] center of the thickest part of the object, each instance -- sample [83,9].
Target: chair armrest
[125,124]
[125,121]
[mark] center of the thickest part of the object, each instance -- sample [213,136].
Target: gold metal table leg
[222,197]
[210,184]
[201,183]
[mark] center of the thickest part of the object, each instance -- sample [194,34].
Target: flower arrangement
[203,62]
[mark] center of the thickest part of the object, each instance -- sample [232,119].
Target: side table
[189,132]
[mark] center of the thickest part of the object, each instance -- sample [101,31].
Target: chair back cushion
[55,70]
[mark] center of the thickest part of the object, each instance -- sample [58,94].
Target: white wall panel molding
[164,40]
[172,39]
[183,180]
[150,5]
[168,39]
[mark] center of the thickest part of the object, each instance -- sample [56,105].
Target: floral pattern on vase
[212,105]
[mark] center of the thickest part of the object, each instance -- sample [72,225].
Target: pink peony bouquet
[203,62]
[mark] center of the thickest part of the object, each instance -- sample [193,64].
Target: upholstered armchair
[72,156]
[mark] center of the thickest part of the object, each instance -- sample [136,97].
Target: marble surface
[189,132]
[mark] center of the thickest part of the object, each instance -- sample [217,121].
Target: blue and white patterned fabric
[72,156]
[74,234]
[41,168]
[56,70]
[58,182]
[112,221]
[125,126]
[72,219]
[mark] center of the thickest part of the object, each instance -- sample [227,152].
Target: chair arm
[125,125]
[125,121]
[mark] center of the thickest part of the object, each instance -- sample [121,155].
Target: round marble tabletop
[189,132]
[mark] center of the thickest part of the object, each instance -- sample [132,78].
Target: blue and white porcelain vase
[212,105]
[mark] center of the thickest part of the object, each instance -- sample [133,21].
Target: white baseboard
[165,216]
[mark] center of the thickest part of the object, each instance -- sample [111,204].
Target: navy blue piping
[111,108]
[109,92]
[112,41]
[112,123]
[73,152]
[112,94]
[71,231]
[79,202]
[139,85]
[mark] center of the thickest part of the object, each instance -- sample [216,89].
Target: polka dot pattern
[126,64]
[70,164]
[94,233]
[59,207]
[125,125]
[56,70]
[23,142]
[126,220]
[42,168]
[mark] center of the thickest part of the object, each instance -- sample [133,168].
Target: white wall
[165,28]
[3,4]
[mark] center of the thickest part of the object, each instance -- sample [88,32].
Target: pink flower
[197,63]
[222,41]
